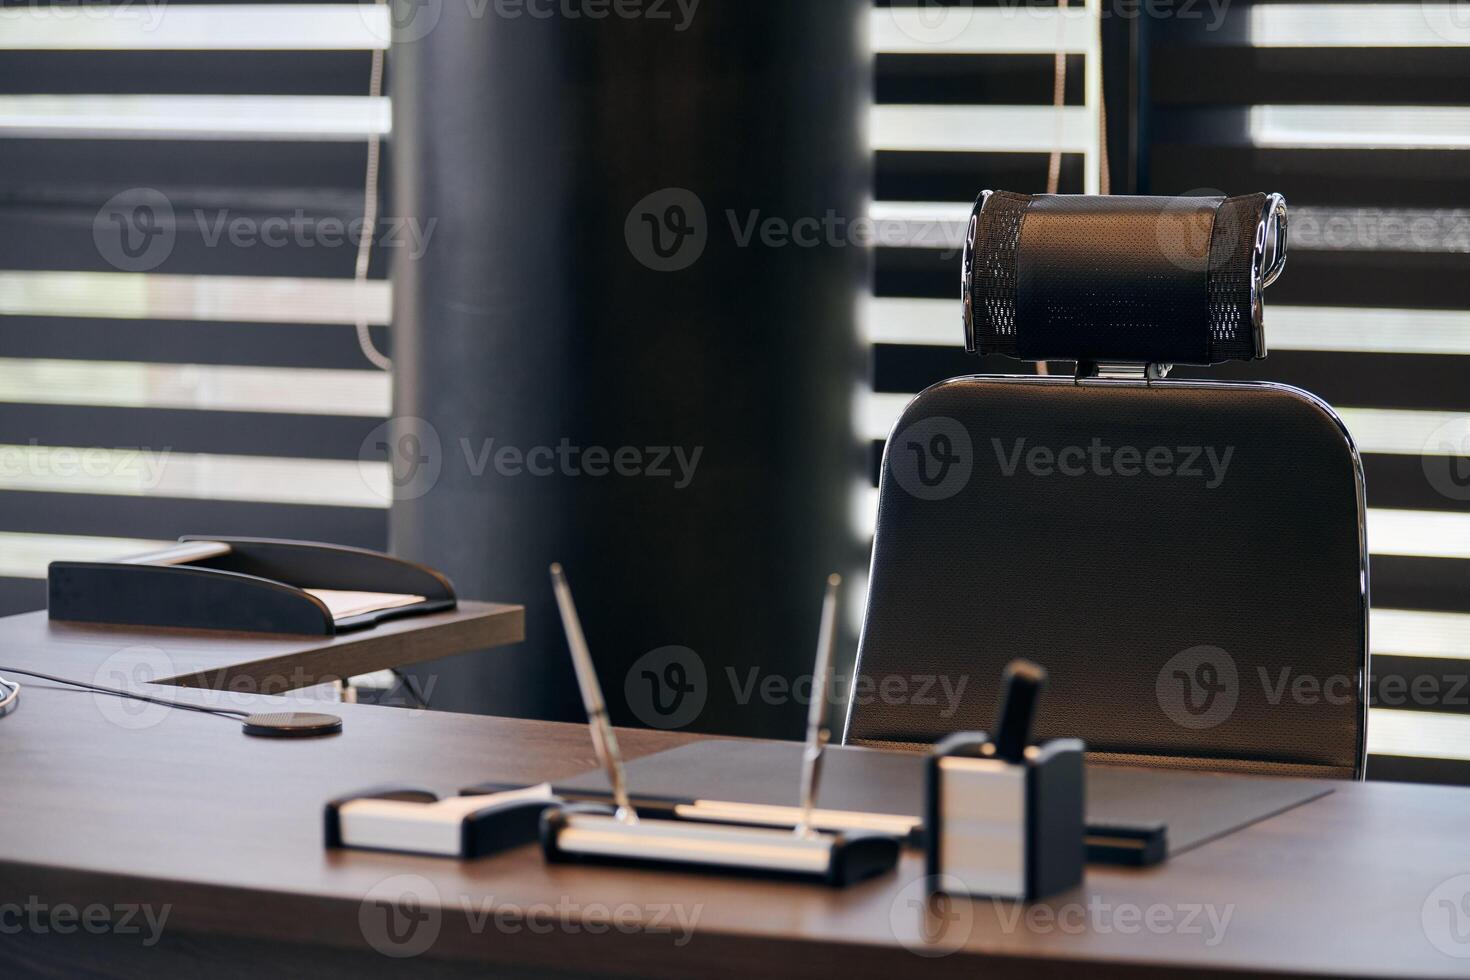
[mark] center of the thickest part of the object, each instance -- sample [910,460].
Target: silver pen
[817,733]
[603,740]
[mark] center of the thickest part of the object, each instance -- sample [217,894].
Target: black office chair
[1186,558]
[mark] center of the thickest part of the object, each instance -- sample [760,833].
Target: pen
[603,739]
[1020,691]
[817,733]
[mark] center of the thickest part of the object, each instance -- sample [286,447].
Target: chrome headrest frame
[1267,263]
[967,269]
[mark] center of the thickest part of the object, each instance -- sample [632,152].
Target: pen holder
[591,833]
[1005,829]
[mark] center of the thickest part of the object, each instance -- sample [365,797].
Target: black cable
[115,692]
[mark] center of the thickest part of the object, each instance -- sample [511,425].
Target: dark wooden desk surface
[183,810]
[251,662]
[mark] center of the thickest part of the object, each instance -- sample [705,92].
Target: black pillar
[690,394]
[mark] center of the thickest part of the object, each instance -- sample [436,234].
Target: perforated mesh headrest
[1146,279]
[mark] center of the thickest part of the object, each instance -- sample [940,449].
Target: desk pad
[1197,807]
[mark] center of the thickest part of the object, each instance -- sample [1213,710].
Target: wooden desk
[250,662]
[224,831]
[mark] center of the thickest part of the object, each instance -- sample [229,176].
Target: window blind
[177,342]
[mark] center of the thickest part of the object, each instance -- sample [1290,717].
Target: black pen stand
[1005,829]
[249,584]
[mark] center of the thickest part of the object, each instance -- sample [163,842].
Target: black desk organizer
[507,819]
[249,584]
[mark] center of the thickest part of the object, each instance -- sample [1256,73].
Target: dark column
[546,316]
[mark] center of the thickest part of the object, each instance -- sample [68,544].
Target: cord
[115,692]
[1058,101]
[369,223]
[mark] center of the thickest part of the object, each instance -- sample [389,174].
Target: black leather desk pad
[1196,807]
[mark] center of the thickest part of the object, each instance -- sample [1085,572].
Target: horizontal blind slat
[166,518]
[258,299]
[207,387]
[161,472]
[194,117]
[300,345]
[198,27]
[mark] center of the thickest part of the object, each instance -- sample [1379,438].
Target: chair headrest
[1175,280]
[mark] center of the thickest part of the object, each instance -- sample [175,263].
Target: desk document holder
[249,584]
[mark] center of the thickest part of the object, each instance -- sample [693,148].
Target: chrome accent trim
[1361,762]
[1270,230]
[1123,370]
[967,271]
[1273,226]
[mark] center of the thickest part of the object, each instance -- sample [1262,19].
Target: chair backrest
[1186,558]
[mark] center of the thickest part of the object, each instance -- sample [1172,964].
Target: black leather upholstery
[1184,559]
